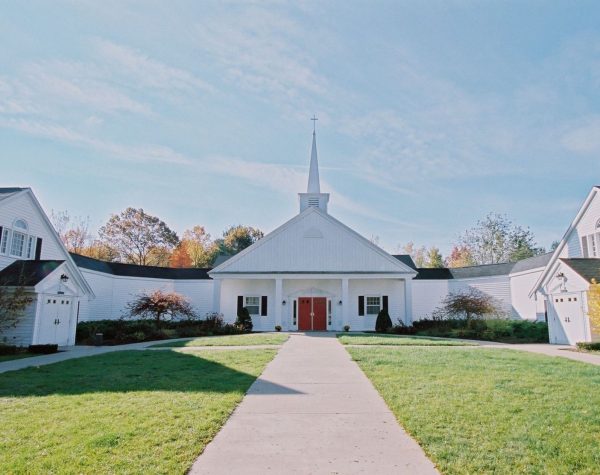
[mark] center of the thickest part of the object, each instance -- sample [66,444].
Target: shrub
[383,322]
[277,328]
[160,306]
[468,304]
[346,328]
[43,349]
[586,346]
[8,350]
[244,320]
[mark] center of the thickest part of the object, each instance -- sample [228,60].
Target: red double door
[312,314]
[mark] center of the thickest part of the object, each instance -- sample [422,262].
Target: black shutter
[1,228]
[361,305]
[240,304]
[385,303]
[263,306]
[38,249]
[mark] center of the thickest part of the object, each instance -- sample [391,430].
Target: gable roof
[313,242]
[563,242]
[586,267]
[27,273]
[9,194]
[133,270]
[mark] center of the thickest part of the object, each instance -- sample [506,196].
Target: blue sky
[431,114]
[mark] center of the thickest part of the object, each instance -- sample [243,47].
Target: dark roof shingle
[586,267]
[27,273]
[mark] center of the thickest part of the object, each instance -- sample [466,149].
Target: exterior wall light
[340,302]
[563,281]
[64,278]
[283,302]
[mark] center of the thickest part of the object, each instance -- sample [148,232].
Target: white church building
[311,273]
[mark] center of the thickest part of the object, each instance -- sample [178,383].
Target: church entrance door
[312,313]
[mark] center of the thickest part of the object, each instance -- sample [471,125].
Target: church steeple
[314,185]
[313,198]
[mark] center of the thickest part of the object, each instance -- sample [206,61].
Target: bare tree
[73,231]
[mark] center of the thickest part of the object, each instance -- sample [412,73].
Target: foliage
[383,322]
[434,258]
[116,332]
[244,320]
[469,304]
[346,328]
[180,256]
[593,297]
[277,328]
[8,350]
[160,305]
[477,410]
[587,346]
[123,412]
[43,349]
[245,339]
[460,256]
[136,235]
[199,247]
[496,239]
[73,231]
[101,250]
[501,330]
[13,303]
[237,238]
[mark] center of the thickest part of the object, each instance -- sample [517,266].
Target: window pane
[29,247]
[4,241]
[373,305]
[253,305]
[18,240]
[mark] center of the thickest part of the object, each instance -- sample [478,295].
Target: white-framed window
[590,245]
[252,304]
[373,305]
[593,245]
[17,242]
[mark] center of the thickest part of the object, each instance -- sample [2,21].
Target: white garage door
[567,319]
[55,320]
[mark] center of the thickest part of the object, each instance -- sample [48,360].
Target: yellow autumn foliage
[594,306]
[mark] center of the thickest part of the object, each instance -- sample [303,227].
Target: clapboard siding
[114,292]
[523,306]
[232,288]
[427,296]
[22,334]
[394,289]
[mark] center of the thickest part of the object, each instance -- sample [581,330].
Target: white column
[216,305]
[408,309]
[278,299]
[345,303]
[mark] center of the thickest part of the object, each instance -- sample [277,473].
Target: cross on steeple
[314,119]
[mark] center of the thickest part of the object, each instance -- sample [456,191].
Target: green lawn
[247,339]
[396,340]
[122,412]
[492,411]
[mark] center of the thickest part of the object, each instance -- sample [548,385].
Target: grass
[492,411]
[396,340]
[247,339]
[122,412]
[17,356]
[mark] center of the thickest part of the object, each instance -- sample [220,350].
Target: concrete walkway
[312,411]
[548,350]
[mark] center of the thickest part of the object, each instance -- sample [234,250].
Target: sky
[431,113]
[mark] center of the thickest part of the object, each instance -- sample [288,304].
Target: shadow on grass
[133,371]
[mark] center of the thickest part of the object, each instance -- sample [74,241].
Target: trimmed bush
[43,349]
[8,350]
[383,322]
[586,346]
[501,330]
[244,320]
[117,332]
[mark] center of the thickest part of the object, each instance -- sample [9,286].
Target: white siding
[523,306]
[497,287]
[114,292]
[22,334]
[393,288]
[313,242]
[585,227]
[231,288]
[427,296]
[23,207]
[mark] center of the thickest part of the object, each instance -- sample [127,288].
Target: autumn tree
[100,250]
[180,256]
[160,306]
[73,231]
[199,246]
[460,256]
[593,295]
[138,237]
[496,239]
[417,254]
[468,305]
[434,258]
[237,238]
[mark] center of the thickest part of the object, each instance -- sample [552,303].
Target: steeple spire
[314,185]
[313,198]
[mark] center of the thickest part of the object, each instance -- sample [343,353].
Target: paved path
[312,411]
[549,350]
